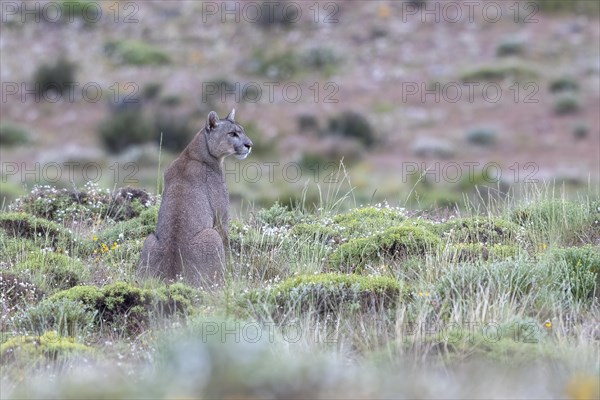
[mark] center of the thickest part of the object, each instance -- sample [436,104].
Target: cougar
[191,236]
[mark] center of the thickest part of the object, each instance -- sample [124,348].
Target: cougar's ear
[211,121]
[231,115]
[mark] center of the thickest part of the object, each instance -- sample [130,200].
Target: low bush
[581,277]
[125,128]
[564,84]
[581,130]
[366,221]
[23,225]
[135,52]
[352,125]
[66,317]
[12,134]
[482,136]
[566,103]
[398,242]
[58,77]
[127,307]
[510,47]
[326,293]
[278,215]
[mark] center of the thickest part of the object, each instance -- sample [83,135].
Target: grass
[318,303]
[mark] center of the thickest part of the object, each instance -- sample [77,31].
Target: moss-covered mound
[327,293]
[398,242]
[368,220]
[23,225]
[129,306]
[33,349]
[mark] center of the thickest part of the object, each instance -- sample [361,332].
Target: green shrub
[127,307]
[483,230]
[510,47]
[175,130]
[398,242]
[65,316]
[582,274]
[151,90]
[554,220]
[22,225]
[564,84]
[482,136]
[125,128]
[52,271]
[327,293]
[495,72]
[308,123]
[467,282]
[278,215]
[566,103]
[36,349]
[135,52]
[58,77]
[368,220]
[353,125]
[13,134]
[581,130]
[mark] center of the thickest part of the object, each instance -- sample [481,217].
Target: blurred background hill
[424,101]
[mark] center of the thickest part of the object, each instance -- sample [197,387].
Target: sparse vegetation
[501,302]
[354,277]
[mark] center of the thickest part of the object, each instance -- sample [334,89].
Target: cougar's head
[225,137]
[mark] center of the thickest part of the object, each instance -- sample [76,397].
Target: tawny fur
[191,236]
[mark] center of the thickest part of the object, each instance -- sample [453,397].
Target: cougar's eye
[233,134]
